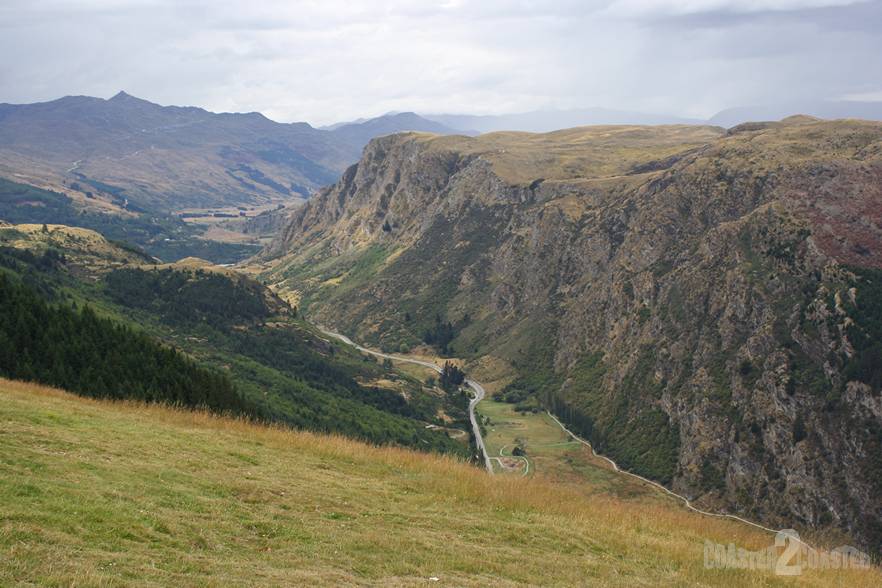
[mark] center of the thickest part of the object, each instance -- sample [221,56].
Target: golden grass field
[103,494]
[582,152]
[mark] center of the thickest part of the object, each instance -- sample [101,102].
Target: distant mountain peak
[359,133]
[121,95]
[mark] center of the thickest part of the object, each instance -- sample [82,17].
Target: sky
[326,61]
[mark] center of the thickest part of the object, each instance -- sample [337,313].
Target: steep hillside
[75,348]
[97,318]
[702,305]
[94,493]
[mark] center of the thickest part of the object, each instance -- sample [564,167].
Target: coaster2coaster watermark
[789,556]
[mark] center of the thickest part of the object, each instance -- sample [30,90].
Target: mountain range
[145,156]
[169,179]
[659,315]
[543,121]
[829,109]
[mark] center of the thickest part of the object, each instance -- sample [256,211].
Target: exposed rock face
[704,306]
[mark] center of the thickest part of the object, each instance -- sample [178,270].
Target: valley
[572,275]
[448,293]
[476,397]
[274,366]
[668,292]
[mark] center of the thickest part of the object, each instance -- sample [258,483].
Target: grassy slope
[95,493]
[581,152]
[282,369]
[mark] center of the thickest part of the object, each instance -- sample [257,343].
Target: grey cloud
[336,59]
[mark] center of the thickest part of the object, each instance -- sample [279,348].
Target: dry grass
[97,493]
[83,247]
[583,152]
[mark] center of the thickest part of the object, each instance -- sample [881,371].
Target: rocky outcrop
[704,306]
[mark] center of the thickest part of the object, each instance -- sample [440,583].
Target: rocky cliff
[704,305]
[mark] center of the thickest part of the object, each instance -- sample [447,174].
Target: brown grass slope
[96,493]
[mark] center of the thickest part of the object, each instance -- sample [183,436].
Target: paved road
[478,389]
[686,501]
[479,395]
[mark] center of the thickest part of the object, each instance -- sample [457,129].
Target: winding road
[512,456]
[686,501]
[478,389]
[479,440]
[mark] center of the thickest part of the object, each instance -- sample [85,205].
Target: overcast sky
[329,60]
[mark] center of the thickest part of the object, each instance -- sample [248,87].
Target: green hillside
[75,349]
[162,235]
[78,313]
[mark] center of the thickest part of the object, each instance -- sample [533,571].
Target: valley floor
[553,454]
[100,493]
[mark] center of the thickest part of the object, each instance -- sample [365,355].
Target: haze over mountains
[817,108]
[543,121]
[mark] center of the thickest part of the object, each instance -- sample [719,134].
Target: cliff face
[704,306]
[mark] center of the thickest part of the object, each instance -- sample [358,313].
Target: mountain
[111,493]
[702,305]
[820,109]
[360,133]
[177,181]
[337,125]
[164,157]
[541,121]
[142,156]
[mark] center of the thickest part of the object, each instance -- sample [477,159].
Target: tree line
[75,349]
[184,297]
[451,377]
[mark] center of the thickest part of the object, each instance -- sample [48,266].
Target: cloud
[641,8]
[872,96]
[331,60]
